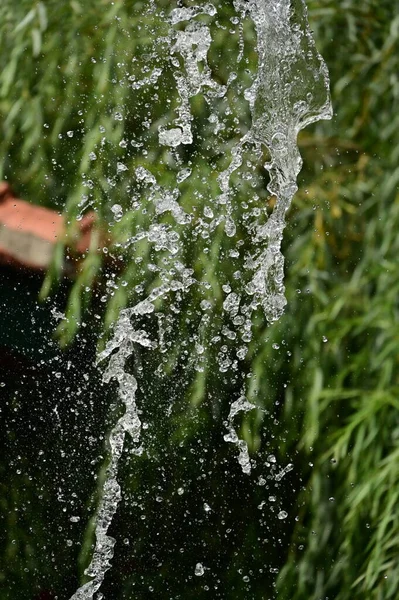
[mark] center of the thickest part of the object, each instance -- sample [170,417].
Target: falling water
[290,90]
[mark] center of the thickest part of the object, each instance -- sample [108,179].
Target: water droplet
[300,107]
[120,167]
[199,570]
[170,137]
[117,211]
[282,515]
[279,141]
[182,175]
[230,227]
[241,353]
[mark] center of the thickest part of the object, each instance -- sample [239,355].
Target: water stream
[289,91]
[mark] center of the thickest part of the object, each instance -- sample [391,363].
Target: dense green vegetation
[324,377]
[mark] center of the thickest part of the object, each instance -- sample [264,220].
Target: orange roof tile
[28,232]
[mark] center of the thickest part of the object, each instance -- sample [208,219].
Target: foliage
[324,377]
[346,540]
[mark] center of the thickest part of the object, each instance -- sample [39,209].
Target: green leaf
[26,20]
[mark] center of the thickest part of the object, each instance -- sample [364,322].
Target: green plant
[324,377]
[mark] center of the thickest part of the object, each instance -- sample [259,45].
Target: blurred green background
[325,377]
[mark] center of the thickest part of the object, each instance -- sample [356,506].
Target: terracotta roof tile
[28,232]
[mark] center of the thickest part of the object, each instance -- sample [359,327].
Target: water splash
[192,44]
[240,405]
[281,104]
[125,338]
[290,91]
